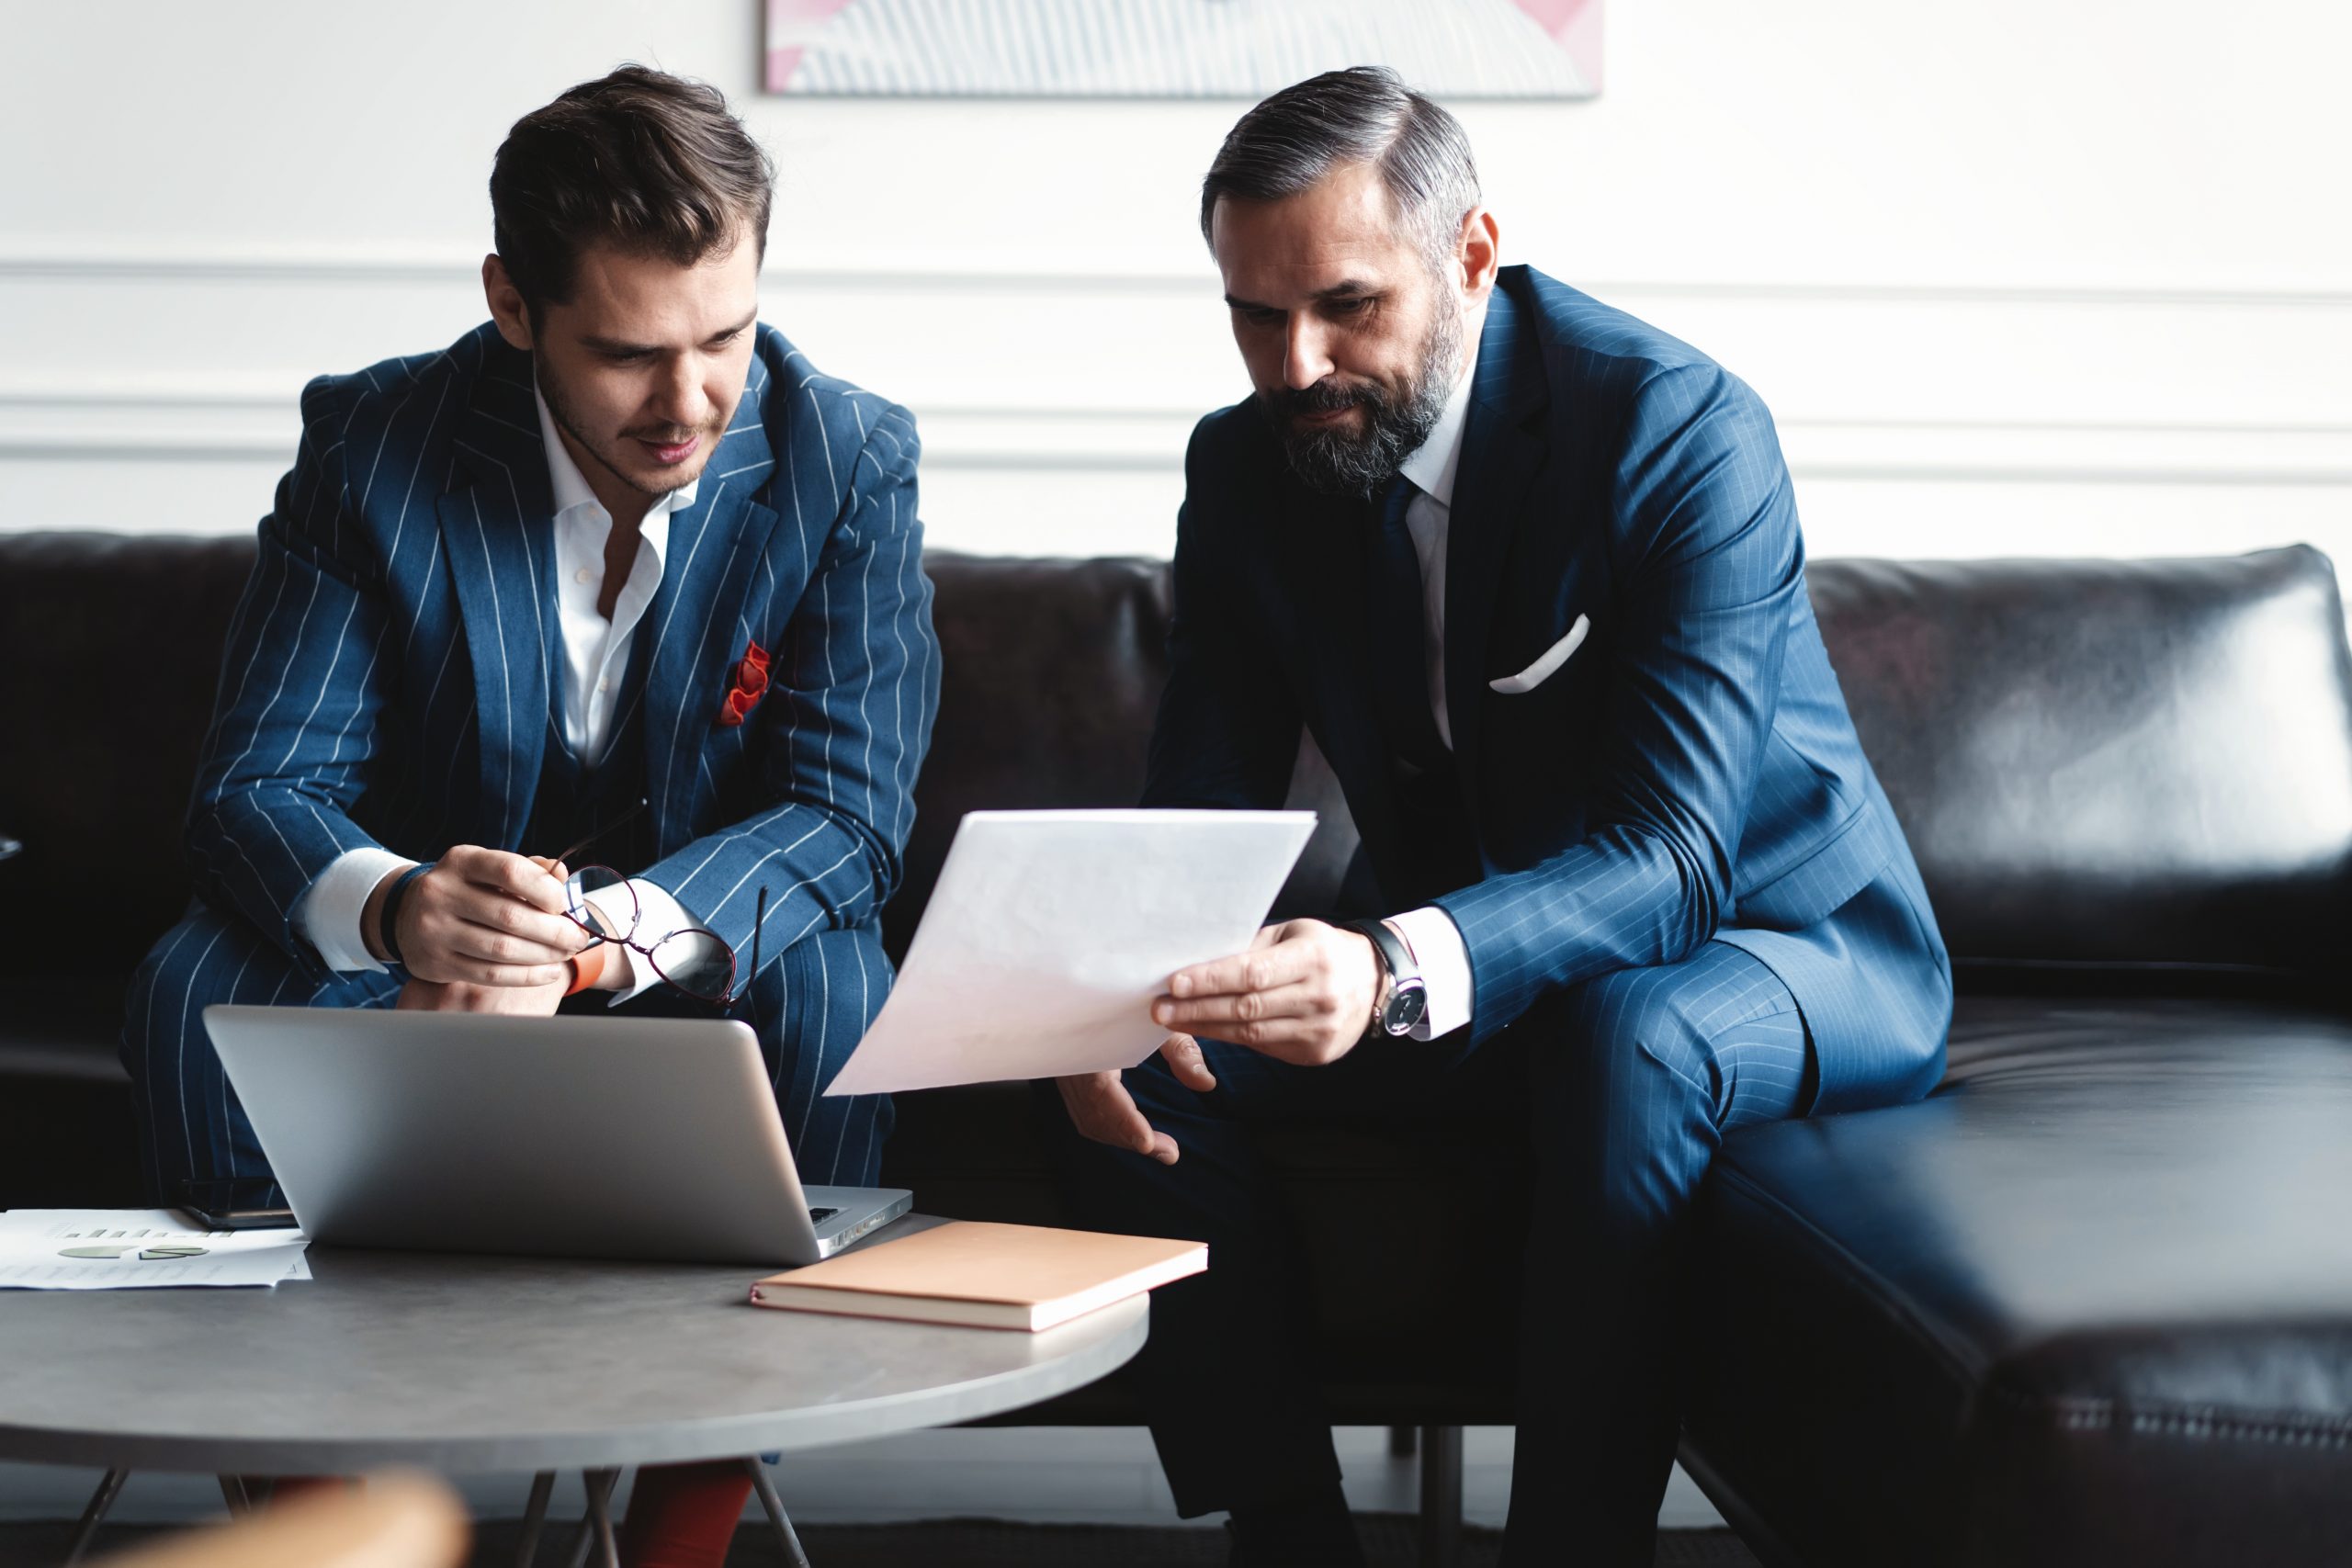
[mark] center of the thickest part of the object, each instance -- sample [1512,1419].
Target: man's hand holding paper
[1052,934]
[1304,994]
[1301,994]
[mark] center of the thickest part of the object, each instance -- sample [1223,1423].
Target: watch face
[1405,1009]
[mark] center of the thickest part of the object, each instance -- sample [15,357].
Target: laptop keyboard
[819,1216]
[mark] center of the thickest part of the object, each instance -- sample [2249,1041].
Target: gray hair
[1363,114]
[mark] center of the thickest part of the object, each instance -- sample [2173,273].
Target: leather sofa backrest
[2144,762]
[109,654]
[1049,674]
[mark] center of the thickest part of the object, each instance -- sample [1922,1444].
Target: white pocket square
[1541,671]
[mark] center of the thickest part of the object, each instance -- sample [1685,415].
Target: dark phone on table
[239,1203]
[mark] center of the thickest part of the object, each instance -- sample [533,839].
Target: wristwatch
[1402,997]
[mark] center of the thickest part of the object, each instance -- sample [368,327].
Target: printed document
[129,1249]
[1051,933]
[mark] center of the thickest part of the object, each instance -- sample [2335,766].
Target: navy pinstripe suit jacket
[390,672]
[1689,773]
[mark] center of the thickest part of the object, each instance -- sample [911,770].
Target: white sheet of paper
[33,1243]
[1051,931]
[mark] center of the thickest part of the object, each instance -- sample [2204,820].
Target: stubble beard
[559,407]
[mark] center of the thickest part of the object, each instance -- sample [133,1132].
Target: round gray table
[457,1363]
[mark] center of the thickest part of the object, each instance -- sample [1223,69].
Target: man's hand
[527,1002]
[484,918]
[1304,993]
[1101,1106]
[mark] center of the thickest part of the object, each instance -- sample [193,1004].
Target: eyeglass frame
[735,967]
[578,898]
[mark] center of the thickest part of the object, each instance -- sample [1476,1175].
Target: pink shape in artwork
[1575,26]
[804,16]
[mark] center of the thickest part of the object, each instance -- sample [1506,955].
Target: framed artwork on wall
[1177,49]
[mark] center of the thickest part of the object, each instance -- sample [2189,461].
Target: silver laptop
[582,1137]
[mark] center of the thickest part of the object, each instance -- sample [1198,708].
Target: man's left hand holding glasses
[484,931]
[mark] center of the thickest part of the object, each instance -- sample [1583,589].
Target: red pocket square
[750,678]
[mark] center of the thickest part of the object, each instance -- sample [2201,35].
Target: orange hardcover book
[987,1276]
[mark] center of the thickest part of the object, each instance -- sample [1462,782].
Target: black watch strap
[1403,1005]
[1394,957]
[387,922]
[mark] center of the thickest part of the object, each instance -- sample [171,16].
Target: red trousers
[682,1516]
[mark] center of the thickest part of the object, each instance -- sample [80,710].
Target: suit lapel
[497,538]
[697,622]
[1501,453]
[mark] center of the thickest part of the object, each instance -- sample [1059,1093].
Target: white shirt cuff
[330,911]
[657,914]
[1444,959]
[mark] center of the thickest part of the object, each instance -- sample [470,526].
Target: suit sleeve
[1710,568]
[1227,734]
[302,684]
[855,686]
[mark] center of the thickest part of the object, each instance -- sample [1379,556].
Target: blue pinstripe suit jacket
[1689,773]
[390,670]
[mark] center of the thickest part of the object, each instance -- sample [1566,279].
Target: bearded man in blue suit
[1530,572]
[619,567]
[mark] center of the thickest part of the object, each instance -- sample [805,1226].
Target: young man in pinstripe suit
[1530,570]
[620,566]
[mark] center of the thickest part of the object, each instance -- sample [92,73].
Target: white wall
[2069,276]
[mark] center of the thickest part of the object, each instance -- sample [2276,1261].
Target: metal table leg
[765,1487]
[535,1518]
[585,1537]
[233,1493]
[601,1487]
[1440,1497]
[110,1488]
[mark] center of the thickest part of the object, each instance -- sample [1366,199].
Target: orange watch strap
[587,968]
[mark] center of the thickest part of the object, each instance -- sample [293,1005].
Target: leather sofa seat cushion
[2064,1308]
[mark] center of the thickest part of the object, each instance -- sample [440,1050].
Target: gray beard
[1334,462]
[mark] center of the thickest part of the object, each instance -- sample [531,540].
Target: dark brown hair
[643,160]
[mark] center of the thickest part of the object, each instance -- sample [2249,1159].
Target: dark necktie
[1399,636]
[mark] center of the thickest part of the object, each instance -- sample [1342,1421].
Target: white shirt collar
[568,486]
[1432,467]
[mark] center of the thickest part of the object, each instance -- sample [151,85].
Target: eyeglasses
[695,960]
[704,969]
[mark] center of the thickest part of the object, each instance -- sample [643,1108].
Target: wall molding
[2025,384]
[159,421]
[252,266]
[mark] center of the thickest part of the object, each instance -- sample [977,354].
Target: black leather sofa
[2089,1303]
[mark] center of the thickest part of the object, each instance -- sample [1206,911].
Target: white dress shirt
[1430,932]
[593,656]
